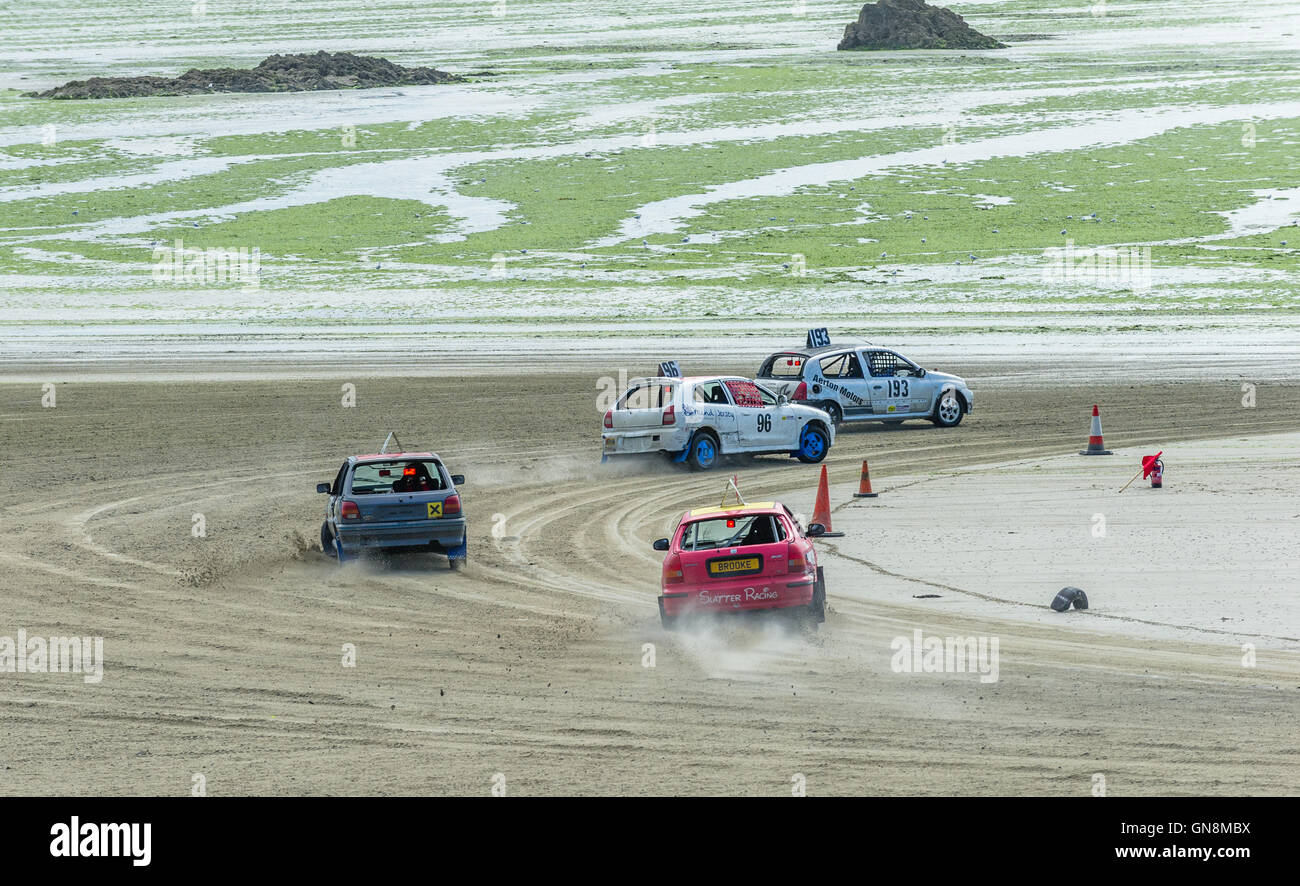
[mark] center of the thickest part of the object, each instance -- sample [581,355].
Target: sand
[224,653]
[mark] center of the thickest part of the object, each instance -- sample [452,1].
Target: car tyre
[949,410]
[831,408]
[814,443]
[327,540]
[703,451]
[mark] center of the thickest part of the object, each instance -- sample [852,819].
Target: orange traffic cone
[864,485]
[822,507]
[1095,446]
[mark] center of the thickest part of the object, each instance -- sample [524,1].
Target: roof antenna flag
[733,485]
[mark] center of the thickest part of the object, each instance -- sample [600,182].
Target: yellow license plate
[435,510]
[726,567]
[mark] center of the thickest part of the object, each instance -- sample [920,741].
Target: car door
[843,377]
[757,418]
[785,424]
[898,386]
[920,390]
[707,404]
[890,395]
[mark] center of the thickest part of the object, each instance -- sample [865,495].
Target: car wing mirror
[661,544]
[323,487]
[782,399]
[457,479]
[816,530]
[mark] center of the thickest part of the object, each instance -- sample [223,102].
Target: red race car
[741,558]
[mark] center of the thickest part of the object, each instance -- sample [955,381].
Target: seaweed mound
[303,72]
[912,24]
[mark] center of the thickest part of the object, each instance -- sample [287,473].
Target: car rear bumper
[775,592]
[667,439]
[442,535]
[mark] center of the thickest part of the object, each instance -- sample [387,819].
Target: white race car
[867,383]
[698,419]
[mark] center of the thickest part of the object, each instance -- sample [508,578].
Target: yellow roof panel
[756,505]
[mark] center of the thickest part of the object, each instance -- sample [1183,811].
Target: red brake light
[794,559]
[609,418]
[670,416]
[451,505]
[349,511]
[801,392]
[673,569]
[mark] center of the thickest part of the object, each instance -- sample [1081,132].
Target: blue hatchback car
[396,501]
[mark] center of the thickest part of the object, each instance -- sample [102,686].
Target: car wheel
[327,540]
[703,451]
[948,411]
[456,563]
[832,409]
[813,444]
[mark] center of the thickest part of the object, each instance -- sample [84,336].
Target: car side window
[834,367]
[844,365]
[337,488]
[745,393]
[778,529]
[768,398]
[885,363]
[790,516]
[710,392]
[654,396]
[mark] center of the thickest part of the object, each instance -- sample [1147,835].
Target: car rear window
[405,475]
[783,366]
[739,531]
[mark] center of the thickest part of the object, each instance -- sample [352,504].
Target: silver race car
[867,383]
[698,419]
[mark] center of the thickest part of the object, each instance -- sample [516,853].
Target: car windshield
[403,475]
[739,531]
[783,366]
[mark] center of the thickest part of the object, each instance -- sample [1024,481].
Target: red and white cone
[1095,446]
